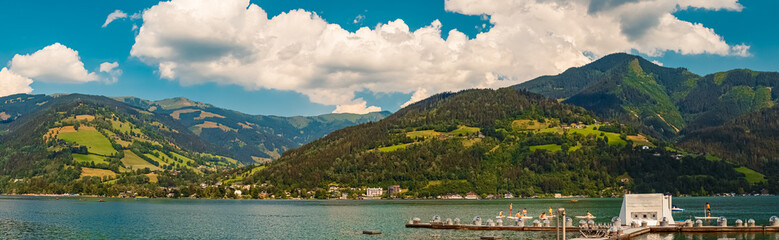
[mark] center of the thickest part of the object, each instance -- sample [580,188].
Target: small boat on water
[676,209]
[101,200]
[705,218]
[586,217]
[574,200]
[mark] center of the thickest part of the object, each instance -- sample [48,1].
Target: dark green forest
[501,160]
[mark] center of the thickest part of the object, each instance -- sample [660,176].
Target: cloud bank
[235,42]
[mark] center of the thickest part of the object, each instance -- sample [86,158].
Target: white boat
[676,209]
[706,217]
[586,217]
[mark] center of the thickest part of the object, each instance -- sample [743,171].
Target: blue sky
[78,26]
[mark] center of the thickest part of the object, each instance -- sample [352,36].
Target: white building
[651,208]
[238,193]
[374,192]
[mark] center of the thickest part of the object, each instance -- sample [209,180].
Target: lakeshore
[68,218]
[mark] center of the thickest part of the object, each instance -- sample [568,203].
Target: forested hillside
[250,138]
[752,140]
[496,141]
[94,145]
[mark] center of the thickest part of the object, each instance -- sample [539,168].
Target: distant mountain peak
[617,61]
[180,102]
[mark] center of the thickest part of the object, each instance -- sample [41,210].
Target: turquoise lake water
[48,218]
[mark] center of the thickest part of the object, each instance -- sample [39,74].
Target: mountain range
[247,138]
[619,124]
[641,127]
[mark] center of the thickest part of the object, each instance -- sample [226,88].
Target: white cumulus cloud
[110,68]
[118,14]
[11,83]
[53,63]
[359,106]
[235,42]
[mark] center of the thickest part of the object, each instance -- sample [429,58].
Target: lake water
[48,218]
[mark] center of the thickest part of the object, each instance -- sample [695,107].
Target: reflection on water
[47,218]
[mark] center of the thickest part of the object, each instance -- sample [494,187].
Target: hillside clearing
[89,137]
[750,175]
[547,147]
[89,158]
[393,147]
[134,162]
[94,172]
[153,177]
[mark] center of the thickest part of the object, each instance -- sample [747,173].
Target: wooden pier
[626,232]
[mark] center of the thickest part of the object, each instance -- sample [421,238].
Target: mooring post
[722,222]
[561,214]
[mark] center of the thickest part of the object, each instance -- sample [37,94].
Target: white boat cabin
[651,208]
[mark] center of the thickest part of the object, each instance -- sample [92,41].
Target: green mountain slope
[751,140]
[720,97]
[95,145]
[493,142]
[250,138]
[660,101]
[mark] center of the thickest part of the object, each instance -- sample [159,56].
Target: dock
[614,231]
[640,214]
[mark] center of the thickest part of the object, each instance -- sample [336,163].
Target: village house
[374,192]
[393,190]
